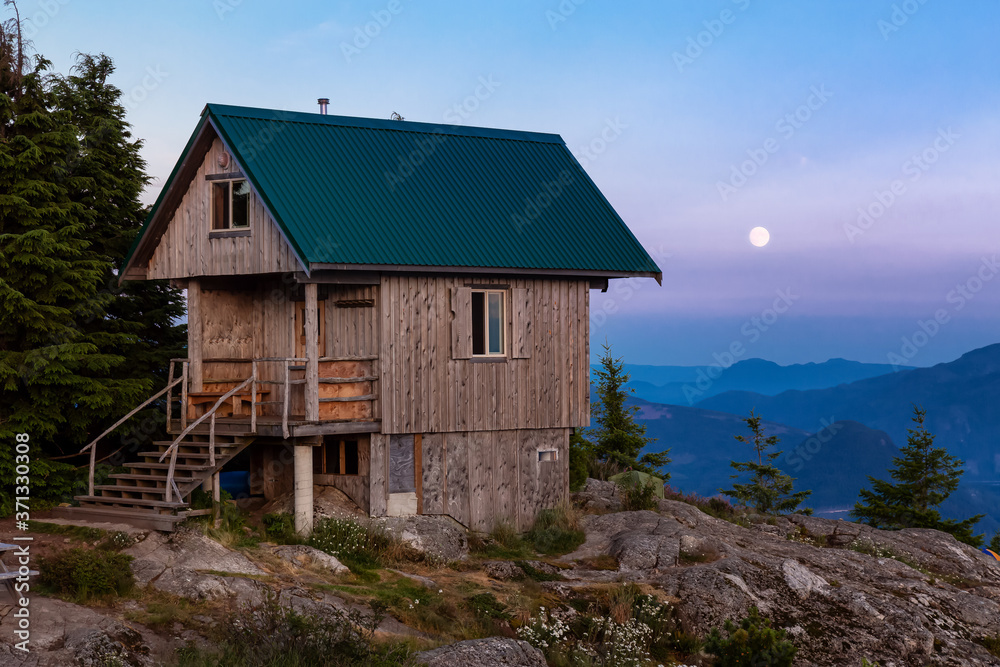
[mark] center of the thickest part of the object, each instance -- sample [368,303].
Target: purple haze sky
[698,120]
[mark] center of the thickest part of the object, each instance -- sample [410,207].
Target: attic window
[231,204]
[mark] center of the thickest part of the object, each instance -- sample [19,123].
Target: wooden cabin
[395,309]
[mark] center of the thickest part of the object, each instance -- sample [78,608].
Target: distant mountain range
[688,385]
[834,436]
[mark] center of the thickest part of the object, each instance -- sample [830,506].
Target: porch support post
[303,489]
[194,334]
[312,353]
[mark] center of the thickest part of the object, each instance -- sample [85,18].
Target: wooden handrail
[172,449]
[93,448]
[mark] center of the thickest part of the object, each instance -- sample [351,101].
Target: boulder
[598,496]
[502,570]
[489,652]
[439,537]
[188,548]
[301,555]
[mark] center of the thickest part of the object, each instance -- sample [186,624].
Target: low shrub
[625,629]
[360,547]
[556,531]
[82,574]
[269,635]
[636,496]
[280,528]
[502,542]
[750,643]
[486,606]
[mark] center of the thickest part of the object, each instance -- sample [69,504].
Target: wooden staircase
[139,497]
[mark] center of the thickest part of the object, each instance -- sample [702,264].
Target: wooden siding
[260,321]
[186,250]
[482,477]
[425,390]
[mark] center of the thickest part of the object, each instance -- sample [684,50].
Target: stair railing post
[284,412]
[184,394]
[253,396]
[170,475]
[216,501]
[170,392]
[93,460]
[211,441]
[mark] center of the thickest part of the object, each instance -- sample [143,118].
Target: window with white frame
[231,204]
[488,323]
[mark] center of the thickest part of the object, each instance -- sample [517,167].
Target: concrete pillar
[312,353]
[303,489]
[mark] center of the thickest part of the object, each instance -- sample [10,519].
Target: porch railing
[254,381]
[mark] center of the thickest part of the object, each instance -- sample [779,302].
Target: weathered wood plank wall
[425,390]
[185,248]
[482,477]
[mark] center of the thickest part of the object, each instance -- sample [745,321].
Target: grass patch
[991,644]
[556,531]
[503,542]
[363,548]
[79,533]
[601,562]
[280,528]
[85,574]
[535,574]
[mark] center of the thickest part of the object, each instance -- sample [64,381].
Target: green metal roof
[356,191]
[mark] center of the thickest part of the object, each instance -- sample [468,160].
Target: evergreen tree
[769,490]
[924,476]
[68,211]
[109,175]
[617,437]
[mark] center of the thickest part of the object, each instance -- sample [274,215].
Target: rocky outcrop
[490,652]
[301,555]
[189,564]
[921,598]
[440,537]
[63,633]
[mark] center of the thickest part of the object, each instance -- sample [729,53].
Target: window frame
[228,223]
[504,334]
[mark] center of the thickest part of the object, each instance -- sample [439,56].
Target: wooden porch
[211,418]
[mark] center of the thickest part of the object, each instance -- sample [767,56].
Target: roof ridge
[418,127]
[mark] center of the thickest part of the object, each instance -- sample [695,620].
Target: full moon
[759,237]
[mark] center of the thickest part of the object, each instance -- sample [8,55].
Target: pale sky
[863,134]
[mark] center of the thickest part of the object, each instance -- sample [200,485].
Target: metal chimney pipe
[323,102]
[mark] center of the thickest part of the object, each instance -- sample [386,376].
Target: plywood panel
[402,477]
[432,451]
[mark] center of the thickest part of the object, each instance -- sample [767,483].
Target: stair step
[165,466]
[106,500]
[159,490]
[129,476]
[134,517]
[184,455]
